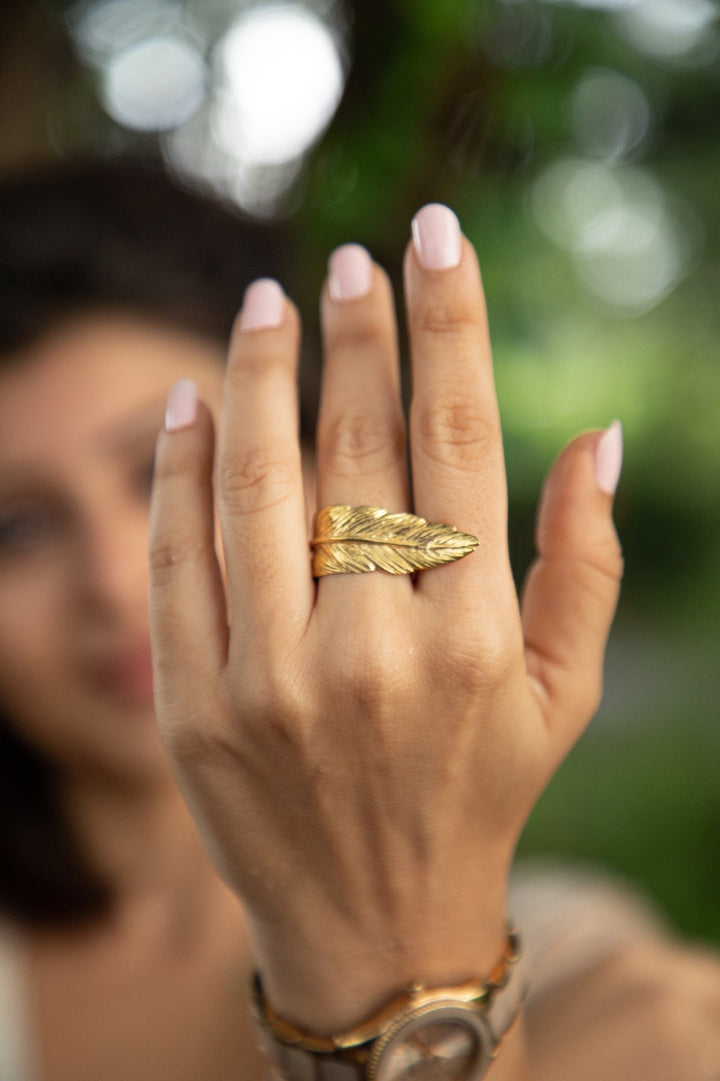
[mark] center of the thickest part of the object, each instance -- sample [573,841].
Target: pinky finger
[188,614]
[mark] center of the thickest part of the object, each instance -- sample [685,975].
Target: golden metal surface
[353,540]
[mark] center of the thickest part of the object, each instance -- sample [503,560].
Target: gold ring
[353,540]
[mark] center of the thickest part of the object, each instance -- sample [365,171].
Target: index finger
[457,457]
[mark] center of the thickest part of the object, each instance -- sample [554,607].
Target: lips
[126,674]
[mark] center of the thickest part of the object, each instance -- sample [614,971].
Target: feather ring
[351,540]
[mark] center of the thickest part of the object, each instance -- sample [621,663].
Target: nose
[111,567]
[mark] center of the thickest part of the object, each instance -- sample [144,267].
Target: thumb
[572,588]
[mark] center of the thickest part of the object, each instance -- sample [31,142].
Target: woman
[319,759]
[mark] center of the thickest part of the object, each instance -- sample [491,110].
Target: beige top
[15,1044]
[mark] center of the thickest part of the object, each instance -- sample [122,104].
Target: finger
[572,589]
[458,471]
[361,430]
[259,474]
[188,618]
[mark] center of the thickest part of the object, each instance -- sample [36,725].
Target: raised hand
[362,752]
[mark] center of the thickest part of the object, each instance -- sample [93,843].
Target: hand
[361,754]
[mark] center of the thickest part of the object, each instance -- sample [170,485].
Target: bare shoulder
[651,1012]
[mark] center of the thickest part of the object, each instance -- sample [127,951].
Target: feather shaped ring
[352,540]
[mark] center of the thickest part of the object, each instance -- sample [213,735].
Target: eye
[25,530]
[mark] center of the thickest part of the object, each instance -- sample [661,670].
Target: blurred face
[79,416]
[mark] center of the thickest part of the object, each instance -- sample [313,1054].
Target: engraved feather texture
[352,540]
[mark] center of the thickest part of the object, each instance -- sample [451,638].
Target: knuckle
[454,431]
[448,317]
[605,556]
[254,480]
[269,709]
[275,706]
[361,441]
[599,571]
[192,734]
[500,659]
[191,743]
[358,334]
[474,667]
[169,553]
[286,726]
[365,687]
[373,677]
[274,724]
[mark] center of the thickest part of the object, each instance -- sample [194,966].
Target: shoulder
[650,1013]
[613,993]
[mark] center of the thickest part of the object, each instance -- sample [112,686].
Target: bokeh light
[672,29]
[241,124]
[611,114]
[679,30]
[280,83]
[616,223]
[102,29]
[155,85]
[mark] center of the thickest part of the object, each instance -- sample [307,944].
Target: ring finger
[457,452]
[361,430]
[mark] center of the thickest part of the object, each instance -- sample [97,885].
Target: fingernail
[608,458]
[182,403]
[263,306]
[437,237]
[349,272]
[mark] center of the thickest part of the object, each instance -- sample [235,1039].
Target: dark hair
[75,238]
[86,236]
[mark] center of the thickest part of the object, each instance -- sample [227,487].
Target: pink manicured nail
[350,272]
[263,305]
[182,403]
[608,458]
[437,237]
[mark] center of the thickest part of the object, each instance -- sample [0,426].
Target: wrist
[459,1028]
[329,983]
